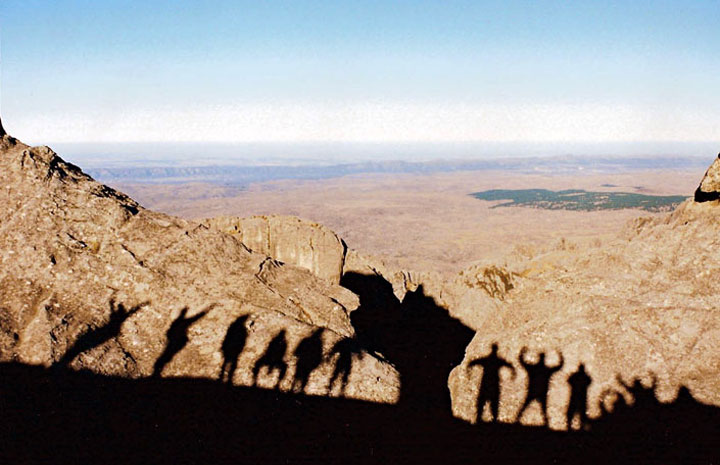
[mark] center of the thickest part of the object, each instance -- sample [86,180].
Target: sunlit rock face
[290,240]
[641,307]
[91,279]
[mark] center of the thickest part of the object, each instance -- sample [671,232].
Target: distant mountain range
[243,175]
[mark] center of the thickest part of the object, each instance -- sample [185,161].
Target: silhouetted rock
[709,188]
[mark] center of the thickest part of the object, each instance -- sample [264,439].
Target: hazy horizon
[109,155]
[328,72]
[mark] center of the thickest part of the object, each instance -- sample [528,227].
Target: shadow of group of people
[415,335]
[539,374]
[396,332]
[309,353]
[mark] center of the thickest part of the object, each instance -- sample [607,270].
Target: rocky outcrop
[402,281]
[709,188]
[642,306]
[290,240]
[92,279]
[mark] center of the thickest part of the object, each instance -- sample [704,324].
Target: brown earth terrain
[425,222]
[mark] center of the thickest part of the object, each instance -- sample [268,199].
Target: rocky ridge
[641,306]
[75,253]
[709,188]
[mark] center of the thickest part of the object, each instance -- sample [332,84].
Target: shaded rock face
[90,278]
[709,188]
[290,240]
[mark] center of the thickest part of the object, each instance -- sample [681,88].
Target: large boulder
[290,240]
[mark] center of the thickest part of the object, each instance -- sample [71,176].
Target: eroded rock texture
[289,240]
[91,279]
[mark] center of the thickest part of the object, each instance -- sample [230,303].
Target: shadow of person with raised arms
[539,375]
[232,347]
[177,338]
[490,382]
[100,335]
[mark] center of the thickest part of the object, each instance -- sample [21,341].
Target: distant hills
[243,175]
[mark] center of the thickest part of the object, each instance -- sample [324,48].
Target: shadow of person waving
[539,374]
[309,356]
[100,335]
[490,382]
[273,359]
[346,349]
[177,338]
[643,397]
[232,347]
[579,383]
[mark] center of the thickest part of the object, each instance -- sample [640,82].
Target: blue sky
[363,71]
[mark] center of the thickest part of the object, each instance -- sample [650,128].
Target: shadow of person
[309,355]
[100,335]
[345,349]
[579,383]
[539,375]
[177,338]
[490,382]
[643,397]
[232,347]
[273,359]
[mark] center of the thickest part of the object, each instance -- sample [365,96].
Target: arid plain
[426,222]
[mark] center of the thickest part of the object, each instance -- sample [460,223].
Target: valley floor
[427,222]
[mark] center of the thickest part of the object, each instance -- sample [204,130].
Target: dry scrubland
[426,222]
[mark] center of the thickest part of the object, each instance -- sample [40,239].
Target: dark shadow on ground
[177,338]
[51,416]
[416,335]
[97,336]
